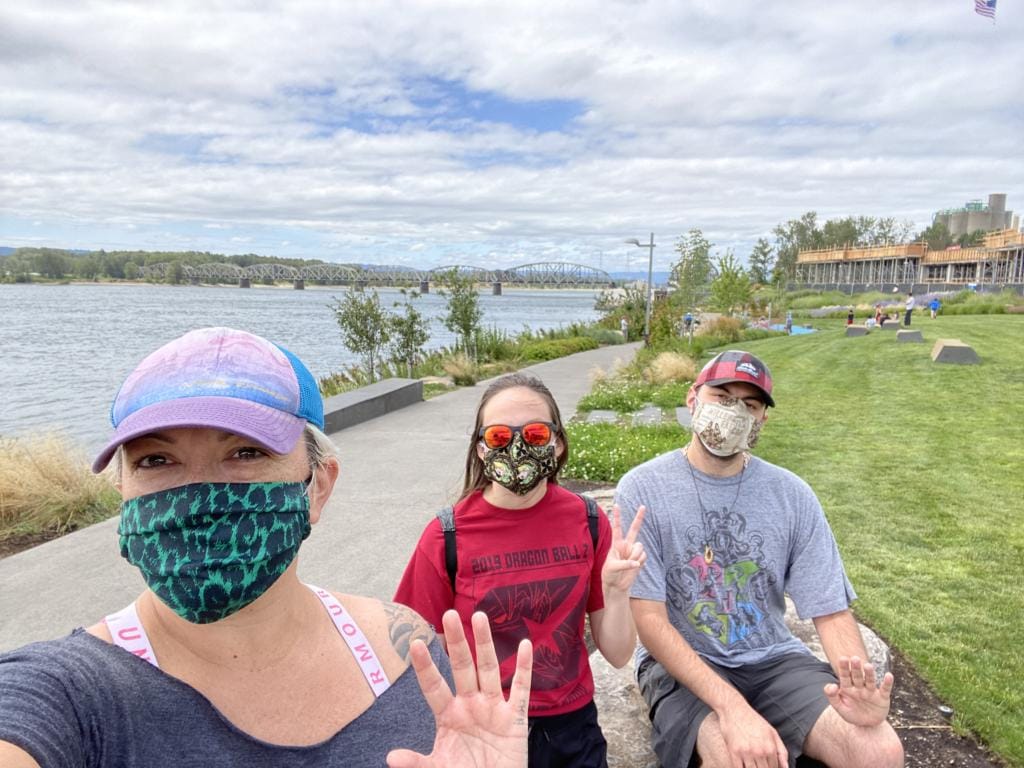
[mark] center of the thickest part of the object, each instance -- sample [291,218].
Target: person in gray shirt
[727,535]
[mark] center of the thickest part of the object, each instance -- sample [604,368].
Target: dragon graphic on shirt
[729,599]
[528,610]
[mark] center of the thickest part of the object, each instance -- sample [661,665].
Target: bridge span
[544,274]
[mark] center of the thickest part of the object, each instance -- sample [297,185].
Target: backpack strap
[451,556]
[593,510]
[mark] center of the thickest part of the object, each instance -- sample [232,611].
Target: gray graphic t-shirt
[772,540]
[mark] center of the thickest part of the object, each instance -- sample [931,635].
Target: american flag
[985,8]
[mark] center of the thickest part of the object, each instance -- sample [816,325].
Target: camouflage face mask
[209,549]
[520,467]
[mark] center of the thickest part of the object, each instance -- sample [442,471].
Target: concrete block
[603,417]
[954,351]
[648,416]
[684,417]
[369,402]
[856,330]
[622,712]
[909,336]
[890,325]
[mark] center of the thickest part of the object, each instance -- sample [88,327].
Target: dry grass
[462,370]
[670,366]
[46,486]
[728,328]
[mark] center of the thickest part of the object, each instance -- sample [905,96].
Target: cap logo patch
[749,369]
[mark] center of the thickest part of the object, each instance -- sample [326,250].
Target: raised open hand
[857,698]
[477,727]
[626,555]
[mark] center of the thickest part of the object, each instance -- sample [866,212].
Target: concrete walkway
[396,471]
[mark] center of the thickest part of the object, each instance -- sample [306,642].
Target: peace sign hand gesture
[626,555]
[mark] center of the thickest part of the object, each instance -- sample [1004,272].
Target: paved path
[396,470]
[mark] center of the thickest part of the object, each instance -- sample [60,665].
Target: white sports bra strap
[127,632]
[361,649]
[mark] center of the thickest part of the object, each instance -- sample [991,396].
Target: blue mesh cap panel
[311,404]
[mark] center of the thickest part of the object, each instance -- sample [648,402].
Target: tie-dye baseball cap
[219,378]
[736,365]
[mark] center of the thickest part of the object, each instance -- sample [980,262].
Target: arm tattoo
[404,626]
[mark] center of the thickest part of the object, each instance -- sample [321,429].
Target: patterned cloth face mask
[209,549]
[520,467]
[727,427]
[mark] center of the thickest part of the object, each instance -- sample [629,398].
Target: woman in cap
[227,658]
[536,559]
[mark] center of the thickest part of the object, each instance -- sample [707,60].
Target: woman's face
[177,457]
[515,407]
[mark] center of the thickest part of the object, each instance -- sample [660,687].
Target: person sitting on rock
[727,535]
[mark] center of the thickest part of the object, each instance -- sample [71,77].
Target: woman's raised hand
[476,727]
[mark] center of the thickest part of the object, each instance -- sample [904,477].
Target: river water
[64,349]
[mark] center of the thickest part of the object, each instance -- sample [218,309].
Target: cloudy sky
[431,133]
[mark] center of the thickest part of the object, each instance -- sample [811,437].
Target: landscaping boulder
[602,417]
[856,330]
[890,325]
[684,417]
[909,336]
[650,415]
[954,351]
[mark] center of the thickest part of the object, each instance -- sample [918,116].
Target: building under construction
[997,264]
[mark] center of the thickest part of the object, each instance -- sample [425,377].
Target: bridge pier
[496,288]
[299,284]
[424,286]
[244,282]
[361,284]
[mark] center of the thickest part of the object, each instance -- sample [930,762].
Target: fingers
[463,669]
[435,688]
[488,672]
[637,524]
[519,694]
[781,753]
[616,525]
[887,683]
[406,758]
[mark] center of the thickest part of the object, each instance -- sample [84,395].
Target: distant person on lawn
[934,305]
[911,303]
[727,536]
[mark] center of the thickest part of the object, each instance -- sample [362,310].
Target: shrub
[670,367]
[461,369]
[550,349]
[605,336]
[728,329]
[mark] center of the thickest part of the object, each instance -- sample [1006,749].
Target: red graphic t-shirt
[534,573]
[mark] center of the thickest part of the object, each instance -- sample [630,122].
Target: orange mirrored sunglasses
[535,433]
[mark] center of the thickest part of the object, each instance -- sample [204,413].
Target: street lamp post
[650,287]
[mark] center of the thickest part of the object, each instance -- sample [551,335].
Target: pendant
[709,556]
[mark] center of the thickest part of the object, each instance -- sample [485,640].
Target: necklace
[709,553]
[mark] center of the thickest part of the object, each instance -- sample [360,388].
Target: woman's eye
[153,460]
[249,452]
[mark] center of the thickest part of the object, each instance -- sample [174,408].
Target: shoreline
[288,287]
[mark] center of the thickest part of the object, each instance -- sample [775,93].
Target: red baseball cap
[735,365]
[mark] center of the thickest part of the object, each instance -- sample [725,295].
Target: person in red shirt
[527,554]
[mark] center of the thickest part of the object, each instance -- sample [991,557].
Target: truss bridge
[548,274]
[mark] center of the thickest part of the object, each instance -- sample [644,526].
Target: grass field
[919,469]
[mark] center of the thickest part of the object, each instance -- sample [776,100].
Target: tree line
[60,264]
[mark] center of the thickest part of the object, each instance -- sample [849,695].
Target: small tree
[731,289]
[691,273]
[409,332]
[365,327]
[463,303]
[760,262]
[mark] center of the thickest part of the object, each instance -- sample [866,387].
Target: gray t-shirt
[82,702]
[770,539]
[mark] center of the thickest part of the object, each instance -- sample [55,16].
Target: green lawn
[919,468]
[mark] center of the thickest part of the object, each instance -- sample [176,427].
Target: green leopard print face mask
[209,549]
[518,466]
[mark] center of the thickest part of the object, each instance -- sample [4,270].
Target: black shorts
[787,691]
[571,740]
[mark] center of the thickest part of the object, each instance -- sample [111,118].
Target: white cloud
[389,131]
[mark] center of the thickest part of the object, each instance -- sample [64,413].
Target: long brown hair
[475,479]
